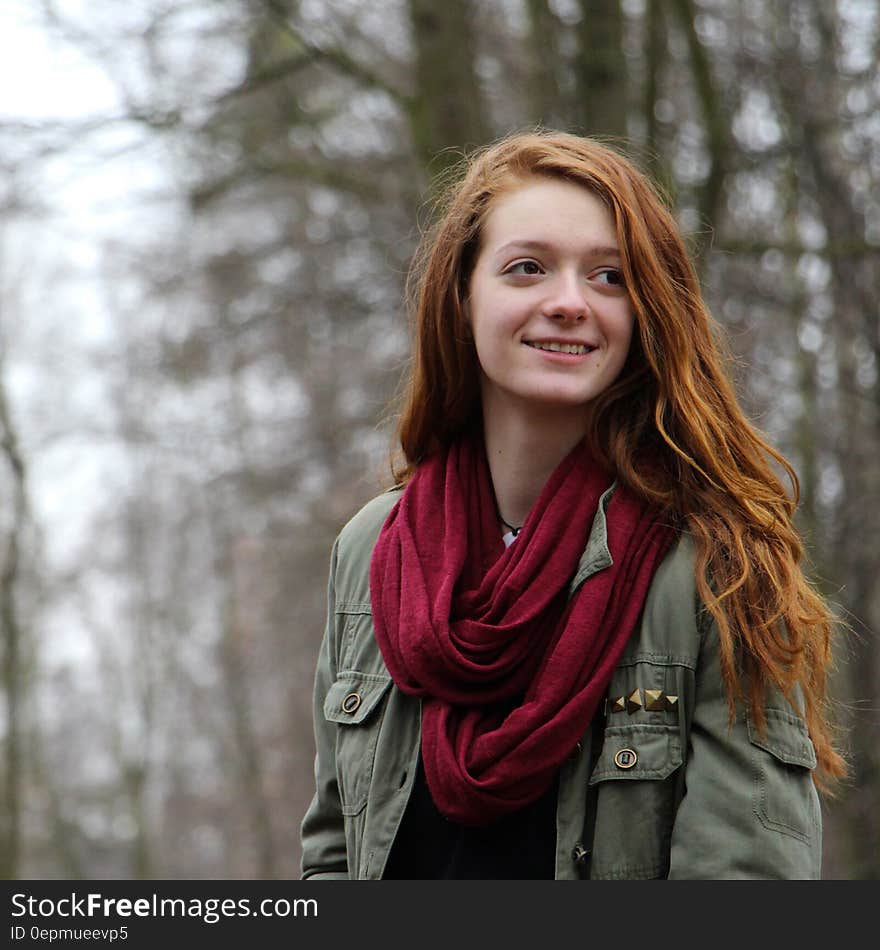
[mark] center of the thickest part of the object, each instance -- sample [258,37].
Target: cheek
[485,322]
[625,327]
[490,347]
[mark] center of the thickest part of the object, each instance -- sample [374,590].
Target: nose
[566,301]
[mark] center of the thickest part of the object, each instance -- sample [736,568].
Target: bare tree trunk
[544,91]
[715,119]
[654,51]
[63,833]
[247,739]
[238,634]
[10,852]
[807,425]
[447,113]
[600,70]
[857,446]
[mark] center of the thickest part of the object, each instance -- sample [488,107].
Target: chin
[563,400]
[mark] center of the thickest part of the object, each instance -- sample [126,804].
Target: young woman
[574,641]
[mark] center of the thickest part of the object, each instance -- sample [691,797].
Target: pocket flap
[785,737]
[643,751]
[353,696]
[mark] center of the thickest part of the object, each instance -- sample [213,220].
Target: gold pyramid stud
[634,701]
[655,701]
[618,704]
[671,702]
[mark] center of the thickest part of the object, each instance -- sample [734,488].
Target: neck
[522,455]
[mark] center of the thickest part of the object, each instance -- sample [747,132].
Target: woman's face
[550,317]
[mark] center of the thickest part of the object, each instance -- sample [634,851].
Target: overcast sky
[54,317]
[42,76]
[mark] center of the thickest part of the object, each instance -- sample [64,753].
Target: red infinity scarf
[510,670]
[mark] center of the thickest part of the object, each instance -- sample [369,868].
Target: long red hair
[670,427]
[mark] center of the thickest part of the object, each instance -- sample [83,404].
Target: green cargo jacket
[662,785]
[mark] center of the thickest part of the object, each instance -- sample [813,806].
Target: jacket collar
[597,555]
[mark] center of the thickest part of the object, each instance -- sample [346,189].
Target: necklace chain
[513,531]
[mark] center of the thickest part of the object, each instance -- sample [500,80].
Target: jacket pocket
[783,755]
[354,703]
[637,751]
[633,782]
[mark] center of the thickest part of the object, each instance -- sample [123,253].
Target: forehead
[548,209]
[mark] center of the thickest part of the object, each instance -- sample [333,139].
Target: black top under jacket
[519,846]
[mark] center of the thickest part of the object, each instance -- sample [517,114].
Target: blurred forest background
[201,325]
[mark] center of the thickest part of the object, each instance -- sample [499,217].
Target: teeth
[577,348]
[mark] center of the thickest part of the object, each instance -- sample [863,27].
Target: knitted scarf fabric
[510,669]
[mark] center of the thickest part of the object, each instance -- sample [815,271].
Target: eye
[610,276]
[527,268]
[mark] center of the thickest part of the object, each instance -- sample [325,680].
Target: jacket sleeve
[750,809]
[323,832]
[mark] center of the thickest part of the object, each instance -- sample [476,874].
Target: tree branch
[337,57]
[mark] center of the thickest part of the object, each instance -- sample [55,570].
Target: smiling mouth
[579,349]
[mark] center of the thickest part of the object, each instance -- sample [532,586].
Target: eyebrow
[601,250]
